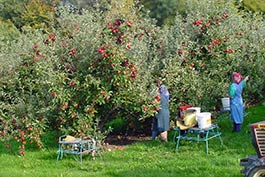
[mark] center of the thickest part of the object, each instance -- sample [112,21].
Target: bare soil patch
[119,142]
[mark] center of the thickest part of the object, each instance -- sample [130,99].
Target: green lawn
[150,159]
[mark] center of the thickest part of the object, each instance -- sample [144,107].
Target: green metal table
[197,134]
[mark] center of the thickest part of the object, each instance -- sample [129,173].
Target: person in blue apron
[161,119]
[236,100]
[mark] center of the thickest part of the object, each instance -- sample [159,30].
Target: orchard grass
[148,158]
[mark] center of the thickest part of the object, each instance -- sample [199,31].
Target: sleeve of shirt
[243,82]
[231,91]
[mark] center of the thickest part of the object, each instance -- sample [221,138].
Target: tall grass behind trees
[147,158]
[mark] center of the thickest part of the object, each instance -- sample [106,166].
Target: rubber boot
[237,127]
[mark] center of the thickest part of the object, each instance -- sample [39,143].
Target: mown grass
[143,159]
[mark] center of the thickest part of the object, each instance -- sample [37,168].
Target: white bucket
[204,120]
[226,103]
[197,109]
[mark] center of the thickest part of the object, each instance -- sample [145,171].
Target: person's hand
[246,78]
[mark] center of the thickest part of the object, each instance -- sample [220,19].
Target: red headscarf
[237,77]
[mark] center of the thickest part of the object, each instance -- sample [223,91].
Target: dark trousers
[154,129]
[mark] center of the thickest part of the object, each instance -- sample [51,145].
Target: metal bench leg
[81,150]
[206,140]
[220,138]
[177,145]
[81,159]
[60,154]
[174,138]
[221,141]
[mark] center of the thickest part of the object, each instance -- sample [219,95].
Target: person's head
[237,78]
[158,82]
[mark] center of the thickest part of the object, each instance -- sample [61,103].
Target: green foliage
[13,10]
[162,10]
[117,124]
[254,5]
[8,32]
[34,13]
[38,14]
